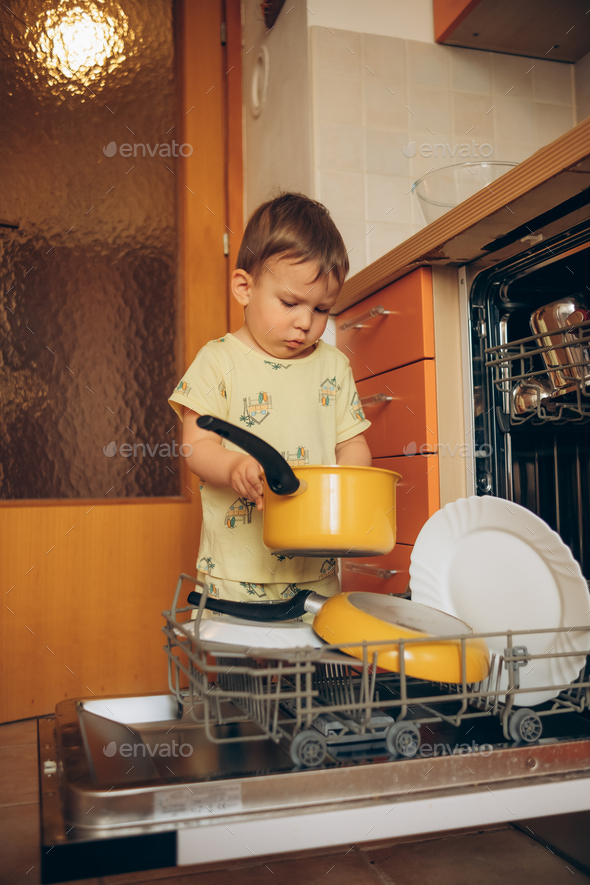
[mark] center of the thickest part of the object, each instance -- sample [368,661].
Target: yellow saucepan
[319,510]
[344,511]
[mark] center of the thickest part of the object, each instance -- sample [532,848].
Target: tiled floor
[470,858]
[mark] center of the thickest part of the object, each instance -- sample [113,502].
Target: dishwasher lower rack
[315,701]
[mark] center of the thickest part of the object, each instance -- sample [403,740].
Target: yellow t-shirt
[302,407]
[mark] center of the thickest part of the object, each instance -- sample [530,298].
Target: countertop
[482,225]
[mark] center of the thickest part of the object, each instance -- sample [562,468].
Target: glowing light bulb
[78,45]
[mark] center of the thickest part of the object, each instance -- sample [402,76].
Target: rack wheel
[525,725]
[308,749]
[403,739]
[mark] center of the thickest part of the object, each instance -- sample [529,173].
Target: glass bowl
[444,188]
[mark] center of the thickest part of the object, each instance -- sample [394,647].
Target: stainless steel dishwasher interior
[135,764]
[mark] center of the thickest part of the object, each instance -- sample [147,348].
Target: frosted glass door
[88,277]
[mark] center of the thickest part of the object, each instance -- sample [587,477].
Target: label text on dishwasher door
[198,801]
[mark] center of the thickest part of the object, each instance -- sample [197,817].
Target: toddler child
[275,378]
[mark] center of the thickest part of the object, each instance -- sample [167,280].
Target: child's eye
[286,303]
[322,309]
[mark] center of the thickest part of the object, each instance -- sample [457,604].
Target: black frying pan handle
[278,474]
[256,611]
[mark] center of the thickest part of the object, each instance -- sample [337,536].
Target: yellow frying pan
[359,617]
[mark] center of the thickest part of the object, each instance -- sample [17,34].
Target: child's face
[287,308]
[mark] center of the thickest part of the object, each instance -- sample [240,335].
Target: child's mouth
[294,343]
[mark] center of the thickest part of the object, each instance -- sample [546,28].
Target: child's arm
[354,452]
[219,466]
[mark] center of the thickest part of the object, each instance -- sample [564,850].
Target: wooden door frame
[84,583]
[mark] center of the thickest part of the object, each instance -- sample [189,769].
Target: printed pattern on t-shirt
[256,408]
[303,413]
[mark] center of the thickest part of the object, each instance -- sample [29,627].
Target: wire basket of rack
[544,377]
[315,701]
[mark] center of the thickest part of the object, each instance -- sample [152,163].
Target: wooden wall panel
[83,584]
[203,202]
[235,169]
[86,585]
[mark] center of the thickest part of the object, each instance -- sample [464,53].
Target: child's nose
[304,318]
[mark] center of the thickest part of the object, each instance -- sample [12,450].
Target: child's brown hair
[296,227]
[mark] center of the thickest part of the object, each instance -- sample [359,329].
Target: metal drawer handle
[365,569]
[356,322]
[376,398]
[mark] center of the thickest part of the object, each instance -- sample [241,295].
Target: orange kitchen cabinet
[405,336]
[408,423]
[417,494]
[398,560]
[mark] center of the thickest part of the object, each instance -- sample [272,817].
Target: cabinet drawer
[417,494]
[409,421]
[386,342]
[398,560]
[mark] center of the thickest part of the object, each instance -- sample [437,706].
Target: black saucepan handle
[258,611]
[278,474]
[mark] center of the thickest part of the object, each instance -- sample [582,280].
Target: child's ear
[241,284]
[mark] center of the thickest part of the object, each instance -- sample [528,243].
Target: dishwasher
[255,751]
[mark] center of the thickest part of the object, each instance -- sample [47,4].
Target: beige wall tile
[465,149]
[513,120]
[277,143]
[417,218]
[354,234]
[338,98]
[420,166]
[337,51]
[388,199]
[582,88]
[383,238]
[385,57]
[552,82]
[384,152]
[429,109]
[470,70]
[384,103]
[361,86]
[343,193]
[551,121]
[434,148]
[472,116]
[512,151]
[510,77]
[340,146]
[428,64]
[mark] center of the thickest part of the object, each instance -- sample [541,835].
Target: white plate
[498,566]
[257,634]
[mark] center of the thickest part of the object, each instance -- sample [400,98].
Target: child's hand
[244,479]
